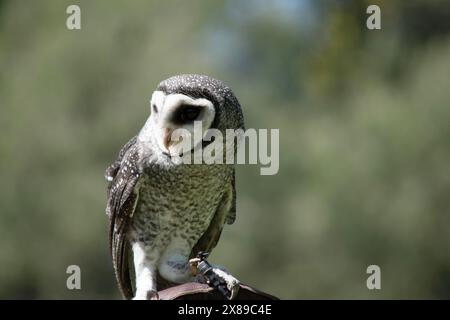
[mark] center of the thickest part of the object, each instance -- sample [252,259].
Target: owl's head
[181,101]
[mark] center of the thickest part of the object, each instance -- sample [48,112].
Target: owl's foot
[215,276]
[233,284]
[147,295]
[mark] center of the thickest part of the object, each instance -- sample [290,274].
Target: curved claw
[152,295]
[233,284]
[194,263]
[234,290]
[149,295]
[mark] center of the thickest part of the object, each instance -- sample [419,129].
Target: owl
[163,212]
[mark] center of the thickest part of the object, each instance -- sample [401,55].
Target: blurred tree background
[364,121]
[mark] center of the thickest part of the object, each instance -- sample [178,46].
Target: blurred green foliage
[364,138]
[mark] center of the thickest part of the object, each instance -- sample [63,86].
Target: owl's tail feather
[123,274]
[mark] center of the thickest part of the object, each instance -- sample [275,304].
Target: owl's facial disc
[178,111]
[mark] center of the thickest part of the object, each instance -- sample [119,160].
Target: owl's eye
[155,110]
[189,113]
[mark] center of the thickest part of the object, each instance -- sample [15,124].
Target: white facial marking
[162,120]
[157,99]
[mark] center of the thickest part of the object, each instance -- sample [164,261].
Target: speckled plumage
[167,212]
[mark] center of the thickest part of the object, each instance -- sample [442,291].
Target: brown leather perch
[199,291]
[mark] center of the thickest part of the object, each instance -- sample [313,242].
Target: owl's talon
[234,291]
[194,264]
[152,295]
[233,285]
[149,295]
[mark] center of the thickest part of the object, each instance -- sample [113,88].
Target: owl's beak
[167,134]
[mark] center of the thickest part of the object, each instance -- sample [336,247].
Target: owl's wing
[226,212]
[231,216]
[112,169]
[122,197]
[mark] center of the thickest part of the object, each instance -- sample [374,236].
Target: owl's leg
[145,269]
